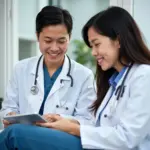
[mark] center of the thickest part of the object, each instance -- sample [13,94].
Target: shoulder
[26,63]
[141,71]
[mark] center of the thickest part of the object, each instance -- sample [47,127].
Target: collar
[63,73]
[114,79]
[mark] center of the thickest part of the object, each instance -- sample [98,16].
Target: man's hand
[52,117]
[5,122]
[65,125]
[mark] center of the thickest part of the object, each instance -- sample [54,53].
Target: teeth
[100,60]
[54,54]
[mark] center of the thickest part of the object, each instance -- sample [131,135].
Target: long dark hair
[116,23]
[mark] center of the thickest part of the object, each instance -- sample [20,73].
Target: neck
[118,66]
[52,67]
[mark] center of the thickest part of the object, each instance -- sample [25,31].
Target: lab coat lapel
[127,78]
[62,77]
[35,101]
[114,97]
[106,98]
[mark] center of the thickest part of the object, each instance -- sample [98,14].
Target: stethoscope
[34,89]
[119,92]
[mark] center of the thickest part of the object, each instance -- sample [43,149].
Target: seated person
[51,83]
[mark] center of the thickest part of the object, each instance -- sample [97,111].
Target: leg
[26,137]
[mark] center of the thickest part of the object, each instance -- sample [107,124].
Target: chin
[55,60]
[104,68]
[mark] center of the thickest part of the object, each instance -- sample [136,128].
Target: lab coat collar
[40,79]
[33,70]
[63,73]
[65,69]
[62,76]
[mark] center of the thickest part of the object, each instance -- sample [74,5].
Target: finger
[45,116]
[56,117]
[6,122]
[12,113]
[47,125]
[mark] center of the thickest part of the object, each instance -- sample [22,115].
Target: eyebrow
[93,40]
[61,38]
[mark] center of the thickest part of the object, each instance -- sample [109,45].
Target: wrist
[75,129]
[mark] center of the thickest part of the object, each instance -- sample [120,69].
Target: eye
[62,41]
[47,42]
[97,44]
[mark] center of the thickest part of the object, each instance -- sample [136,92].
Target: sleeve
[133,126]
[86,98]
[11,101]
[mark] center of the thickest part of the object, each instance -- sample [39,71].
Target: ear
[37,36]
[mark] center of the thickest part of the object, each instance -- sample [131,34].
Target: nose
[94,52]
[54,46]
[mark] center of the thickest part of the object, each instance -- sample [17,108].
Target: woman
[52,83]
[122,106]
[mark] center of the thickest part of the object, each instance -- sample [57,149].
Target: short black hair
[51,15]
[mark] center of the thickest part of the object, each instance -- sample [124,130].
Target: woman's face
[105,50]
[53,43]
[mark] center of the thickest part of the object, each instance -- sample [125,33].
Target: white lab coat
[77,98]
[129,126]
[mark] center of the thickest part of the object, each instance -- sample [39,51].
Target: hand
[65,125]
[5,122]
[52,117]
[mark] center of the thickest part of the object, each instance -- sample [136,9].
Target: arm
[86,97]
[10,103]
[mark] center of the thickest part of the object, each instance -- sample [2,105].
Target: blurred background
[17,29]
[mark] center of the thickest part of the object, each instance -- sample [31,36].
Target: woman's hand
[65,125]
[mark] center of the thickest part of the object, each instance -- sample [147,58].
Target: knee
[13,130]
[13,127]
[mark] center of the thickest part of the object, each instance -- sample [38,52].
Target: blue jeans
[28,137]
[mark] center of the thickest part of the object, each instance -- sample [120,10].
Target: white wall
[27,11]
[82,11]
[141,13]
[2,46]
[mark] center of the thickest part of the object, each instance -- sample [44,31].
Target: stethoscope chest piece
[34,90]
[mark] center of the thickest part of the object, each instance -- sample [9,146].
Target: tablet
[25,118]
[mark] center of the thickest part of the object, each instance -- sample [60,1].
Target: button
[57,106]
[105,115]
[67,108]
